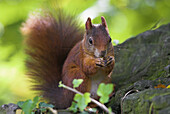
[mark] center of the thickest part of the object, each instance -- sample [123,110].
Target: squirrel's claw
[108,60]
[100,62]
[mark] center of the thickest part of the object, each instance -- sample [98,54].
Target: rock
[8,109]
[156,101]
[142,62]
[143,57]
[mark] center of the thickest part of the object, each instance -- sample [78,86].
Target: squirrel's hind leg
[75,73]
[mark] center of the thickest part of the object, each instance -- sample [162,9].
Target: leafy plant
[30,106]
[43,106]
[104,90]
[77,82]
[74,107]
[82,100]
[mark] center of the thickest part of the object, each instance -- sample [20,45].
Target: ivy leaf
[27,106]
[82,100]
[87,98]
[84,112]
[35,101]
[104,90]
[20,103]
[110,110]
[42,104]
[74,107]
[77,82]
[44,110]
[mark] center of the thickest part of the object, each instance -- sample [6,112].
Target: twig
[150,109]
[93,100]
[125,97]
[52,110]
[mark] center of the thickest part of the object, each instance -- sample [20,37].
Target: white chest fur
[96,79]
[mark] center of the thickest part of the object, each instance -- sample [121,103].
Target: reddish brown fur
[100,37]
[47,39]
[53,58]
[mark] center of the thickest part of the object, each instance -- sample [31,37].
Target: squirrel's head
[97,41]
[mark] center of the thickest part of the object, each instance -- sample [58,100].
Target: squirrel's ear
[103,21]
[88,24]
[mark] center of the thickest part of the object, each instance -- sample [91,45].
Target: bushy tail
[49,40]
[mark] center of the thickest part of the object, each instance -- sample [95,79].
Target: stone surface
[145,56]
[8,108]
[149,100]
[142,62]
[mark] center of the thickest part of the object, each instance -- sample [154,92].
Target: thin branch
[93,100]
[124,98]
[52,110]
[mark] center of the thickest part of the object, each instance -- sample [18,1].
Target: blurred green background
[125,18]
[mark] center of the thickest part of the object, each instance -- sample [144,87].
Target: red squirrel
[59,51]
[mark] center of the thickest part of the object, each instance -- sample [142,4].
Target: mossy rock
[142,62]
[149,101]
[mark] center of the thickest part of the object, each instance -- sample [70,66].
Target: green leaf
[42,104]
[110,110]
[27,106]
[77,82]
[74,107]
[87,98]
[82,100]
[83,112]
[35,101]
[43,110]
[20,103]
[104,90]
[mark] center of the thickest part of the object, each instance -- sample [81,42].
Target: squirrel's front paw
[108,60]
[100,62]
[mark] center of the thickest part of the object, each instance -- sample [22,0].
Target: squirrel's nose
[103,53]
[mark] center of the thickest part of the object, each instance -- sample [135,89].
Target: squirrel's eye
[110,40]
[90,41]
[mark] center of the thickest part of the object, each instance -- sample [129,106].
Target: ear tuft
[103,21]
[88,24]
